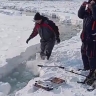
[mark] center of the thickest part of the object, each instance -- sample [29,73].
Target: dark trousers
[85,60]
[47,47]
[88,62]
[92,63]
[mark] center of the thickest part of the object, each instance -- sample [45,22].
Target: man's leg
[49,48]
[92,62]
[85,62]
[43,45]
[84,57]
[92,74]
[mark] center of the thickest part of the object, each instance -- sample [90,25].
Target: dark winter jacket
[88,35]
[47,30]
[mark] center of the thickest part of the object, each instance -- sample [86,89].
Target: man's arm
[82,11]
[33,34]
[94,11]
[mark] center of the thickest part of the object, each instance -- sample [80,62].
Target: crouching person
[48,32]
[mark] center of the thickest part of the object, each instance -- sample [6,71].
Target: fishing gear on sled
[63,68]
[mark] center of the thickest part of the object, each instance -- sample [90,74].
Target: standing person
[88,35]
[48,32]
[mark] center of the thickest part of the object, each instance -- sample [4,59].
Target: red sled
[50,83]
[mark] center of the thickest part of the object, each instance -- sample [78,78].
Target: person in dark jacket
[48,32]
[87,12]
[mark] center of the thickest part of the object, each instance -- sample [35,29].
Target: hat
[37,16]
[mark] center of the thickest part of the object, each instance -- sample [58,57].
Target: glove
[27,40]
[84,3]
[58,40]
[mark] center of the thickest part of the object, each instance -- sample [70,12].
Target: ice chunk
[5,88]
[2,94]
[32,66]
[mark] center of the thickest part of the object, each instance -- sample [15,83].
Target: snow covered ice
[16,26]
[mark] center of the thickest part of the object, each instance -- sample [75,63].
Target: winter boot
[90,78]
[43,56]
[48,55]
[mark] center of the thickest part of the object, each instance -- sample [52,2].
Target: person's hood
[44,18]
